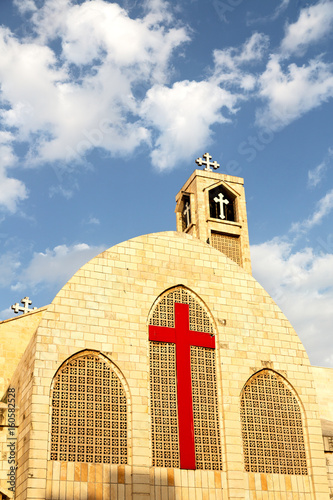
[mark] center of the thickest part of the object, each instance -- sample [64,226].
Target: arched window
[272,427]
[89,417]
[184,406]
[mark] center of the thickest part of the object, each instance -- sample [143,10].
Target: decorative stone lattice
[89,415]
[272,428]
[229,245]
[164,312]
[205,409]
[165,445]
[163,382]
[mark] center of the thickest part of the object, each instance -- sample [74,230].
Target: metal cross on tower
[221,200]
[26,302]
[207,162]
[187,213]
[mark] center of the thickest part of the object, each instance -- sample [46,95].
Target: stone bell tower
[211,206]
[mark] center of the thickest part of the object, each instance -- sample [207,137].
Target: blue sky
[105,107]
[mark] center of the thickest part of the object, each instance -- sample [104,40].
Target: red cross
[184,338]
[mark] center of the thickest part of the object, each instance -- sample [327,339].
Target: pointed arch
[272,428]
[162,311]
[89,417]
[164,384]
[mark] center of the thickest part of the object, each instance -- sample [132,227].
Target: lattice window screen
[163,314]
[89,415]
[205,409]
[163,383]
[229,245]
[272,428]
[164,413]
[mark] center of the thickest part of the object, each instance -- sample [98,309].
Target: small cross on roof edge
[26,302]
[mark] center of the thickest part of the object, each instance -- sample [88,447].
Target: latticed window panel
[205,409]
[272,429]
[163,383]
[229,245]
[89,413]
[164,414]
[164,312]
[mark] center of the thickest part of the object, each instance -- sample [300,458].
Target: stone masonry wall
[15,335]
[105,307]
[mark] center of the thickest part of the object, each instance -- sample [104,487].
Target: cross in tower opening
[222,201]
[26,302]
[184,338]
[187,213]
[207,162]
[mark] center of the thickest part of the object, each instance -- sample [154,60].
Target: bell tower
[211,206]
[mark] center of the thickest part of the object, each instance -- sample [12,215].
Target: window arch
[222,204]
[89,412]
[272,429]
[179,314]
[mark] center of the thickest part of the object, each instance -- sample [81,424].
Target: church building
[163,370]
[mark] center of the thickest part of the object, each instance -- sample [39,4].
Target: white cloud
[62,191]
[316,174]
[183,115]
[93,220]
[301,284]
[33,101]
[177,113]
[292,93]
[101,31]
[314,23]
[279,9]
[9,265]
[252,50]
[56,266]
[182,120]
[271,17]
[323,208]
[229,62]
[6,313]
[12,191]
[45,272]
[25,6]
[106,58]
[120,69]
